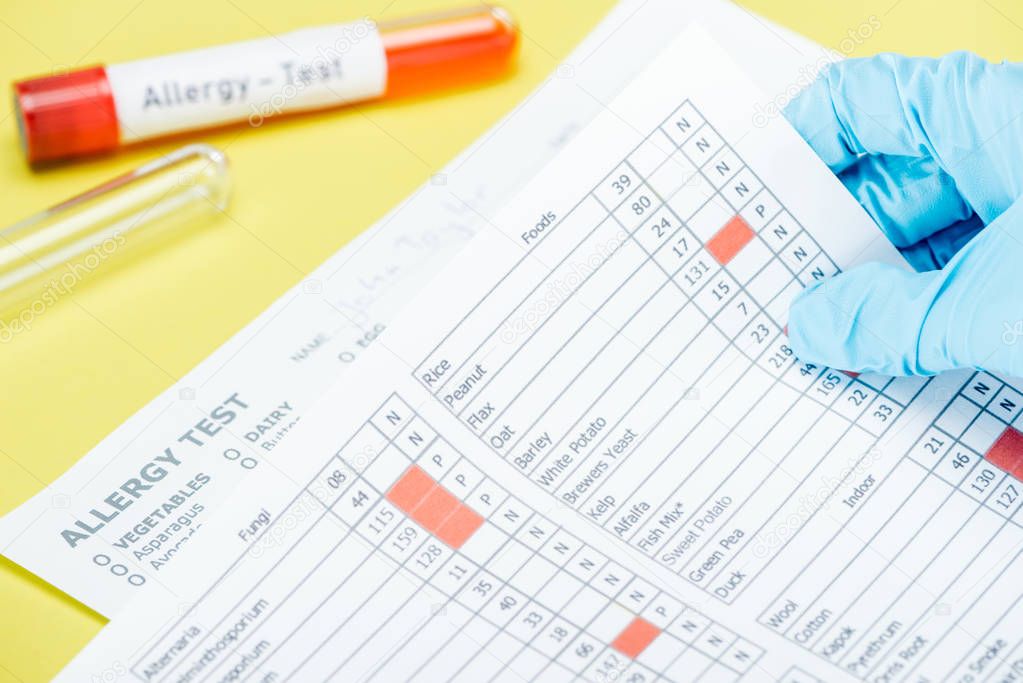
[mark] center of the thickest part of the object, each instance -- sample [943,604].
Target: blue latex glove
[933,149]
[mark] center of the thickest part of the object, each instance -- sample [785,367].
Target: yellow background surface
[303,188]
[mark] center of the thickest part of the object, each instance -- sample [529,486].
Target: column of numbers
[709,185]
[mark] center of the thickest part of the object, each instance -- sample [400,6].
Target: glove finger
[903,106]
[881,318]
[875,318]
[981,297]
[910,198]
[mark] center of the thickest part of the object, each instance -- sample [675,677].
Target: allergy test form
[586,452]
[127,512]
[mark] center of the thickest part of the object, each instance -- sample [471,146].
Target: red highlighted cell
[420,497]
[1007,452]
[729,240]
[636,637]
[852,374]
[411,489]
[459,526]
[435,509]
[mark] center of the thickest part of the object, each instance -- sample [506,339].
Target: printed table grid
[769,519]
[658,228]
[958,448]
[364,494]
[783,235]
[690,254]
[603,674]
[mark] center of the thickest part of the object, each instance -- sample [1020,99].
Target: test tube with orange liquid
[101,108]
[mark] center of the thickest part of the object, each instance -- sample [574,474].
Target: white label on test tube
[251,80]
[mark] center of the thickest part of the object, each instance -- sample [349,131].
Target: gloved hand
[933,149]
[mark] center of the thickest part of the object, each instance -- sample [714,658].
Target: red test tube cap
[447,49]
[66,114]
